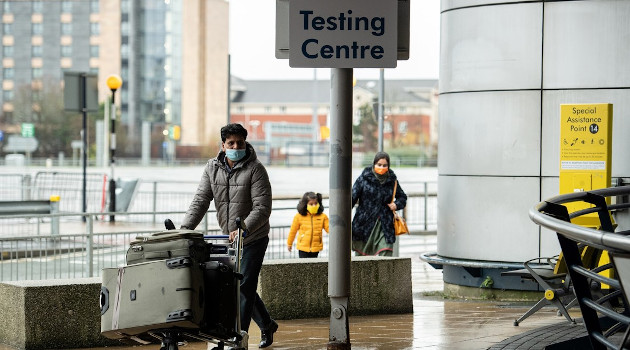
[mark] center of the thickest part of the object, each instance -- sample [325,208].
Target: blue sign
[1,136]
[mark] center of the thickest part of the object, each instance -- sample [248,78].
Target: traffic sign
[28,130]
[335,25]
[1,136]
[17,143]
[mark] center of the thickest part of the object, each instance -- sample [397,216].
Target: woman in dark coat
[373,222]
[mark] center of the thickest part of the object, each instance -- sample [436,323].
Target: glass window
[38,7]
[94,6]
[66,51]
[402,109]
[66,28]
[124,51]
[8,117]
[37,51]
[66,6]
[37,95]
[7,28]
[94,70]
[6,7]
[7,51]
[402,127]
[124,28]
[94,50]
[7,95]
[95,28]
[36,72]
[37,28]
[8,73]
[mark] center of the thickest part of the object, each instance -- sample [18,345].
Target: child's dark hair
[301,207]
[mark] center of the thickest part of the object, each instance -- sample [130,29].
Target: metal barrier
[606,316]
[84,248]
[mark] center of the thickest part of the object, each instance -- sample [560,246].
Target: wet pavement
[436,323]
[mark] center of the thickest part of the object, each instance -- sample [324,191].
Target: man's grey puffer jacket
[244,192]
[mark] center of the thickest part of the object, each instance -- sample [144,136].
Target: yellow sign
[585,152]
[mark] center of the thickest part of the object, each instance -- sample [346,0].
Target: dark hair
[233,129]
[301,207]
[381,155]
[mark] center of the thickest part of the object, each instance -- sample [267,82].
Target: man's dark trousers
[251,304]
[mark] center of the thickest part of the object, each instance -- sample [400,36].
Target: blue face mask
[235,154]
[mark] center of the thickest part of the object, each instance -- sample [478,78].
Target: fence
[85,248]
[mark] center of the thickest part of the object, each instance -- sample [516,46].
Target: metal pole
[154,201]
[90,245]
[381,97]
[112,159]
[84,138]
[340,210]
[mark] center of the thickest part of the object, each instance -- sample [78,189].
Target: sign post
[341,35]
[81,95]
[585,152]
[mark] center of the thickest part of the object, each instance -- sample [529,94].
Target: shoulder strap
[394,195]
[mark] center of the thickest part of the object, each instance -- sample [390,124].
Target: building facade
[280,111]
[172,56]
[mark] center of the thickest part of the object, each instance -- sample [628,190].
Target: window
[6,7]
[124,28]
[36,51]
[66,28]
[402,109]
[94,70]
[37,95]
[94,50]
[8,73]
[267,109]
[66,51]
[7,95]
[124,51]
[7,51]
[402,127]
[283,109]
[37,28]
[38,7]
[94,6]
[8,117]
[66,6]
[95,28]
[36,72]
[7,28]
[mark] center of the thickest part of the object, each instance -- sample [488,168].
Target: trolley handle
[217,237]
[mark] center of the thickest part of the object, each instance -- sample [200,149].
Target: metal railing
[605,313]
[30,250]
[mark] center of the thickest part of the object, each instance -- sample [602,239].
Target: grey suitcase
[151,296]
[166,245]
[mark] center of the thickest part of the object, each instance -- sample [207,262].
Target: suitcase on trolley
[222,290]
[166,245]
[151,296]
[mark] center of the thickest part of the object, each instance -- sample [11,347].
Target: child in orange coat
[309,223]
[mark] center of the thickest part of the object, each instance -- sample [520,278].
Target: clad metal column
[340,209]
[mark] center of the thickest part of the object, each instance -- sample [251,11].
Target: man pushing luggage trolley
[239,185]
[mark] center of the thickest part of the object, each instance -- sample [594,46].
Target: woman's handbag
[400,226]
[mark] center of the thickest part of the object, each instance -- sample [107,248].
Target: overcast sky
[252,44]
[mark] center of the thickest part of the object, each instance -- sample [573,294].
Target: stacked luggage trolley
[177,284]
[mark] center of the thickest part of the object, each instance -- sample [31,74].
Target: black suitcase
[167,245]
[221,285]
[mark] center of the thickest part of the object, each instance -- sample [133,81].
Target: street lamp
[114,82]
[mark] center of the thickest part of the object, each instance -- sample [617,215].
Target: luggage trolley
[217,293]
